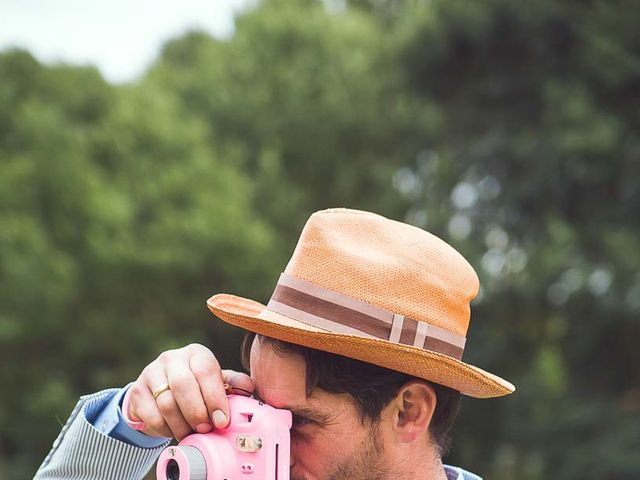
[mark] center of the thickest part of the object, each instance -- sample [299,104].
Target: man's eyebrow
[310,414]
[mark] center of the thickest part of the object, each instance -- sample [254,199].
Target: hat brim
[432,366]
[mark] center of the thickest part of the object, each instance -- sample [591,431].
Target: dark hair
[372,387]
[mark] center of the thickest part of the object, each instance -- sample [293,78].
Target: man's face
[328,440]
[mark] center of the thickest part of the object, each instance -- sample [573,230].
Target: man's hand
[196,401]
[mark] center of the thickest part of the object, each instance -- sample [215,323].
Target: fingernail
[219,419]
[203,427]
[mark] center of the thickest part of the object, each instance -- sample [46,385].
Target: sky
[120,37]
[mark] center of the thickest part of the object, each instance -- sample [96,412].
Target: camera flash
[248,443]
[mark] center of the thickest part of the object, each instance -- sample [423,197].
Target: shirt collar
[455,473]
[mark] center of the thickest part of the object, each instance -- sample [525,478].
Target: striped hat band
[335,312]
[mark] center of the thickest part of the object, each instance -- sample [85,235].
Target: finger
[170,411]
[166,404]
[239,382]
[188,397]
[206,370]
[143,407]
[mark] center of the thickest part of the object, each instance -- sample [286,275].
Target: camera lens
[173,470]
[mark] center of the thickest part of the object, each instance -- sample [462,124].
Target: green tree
[117,222]
[309,98]
[534,176]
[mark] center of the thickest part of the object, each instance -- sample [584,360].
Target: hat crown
[391,265]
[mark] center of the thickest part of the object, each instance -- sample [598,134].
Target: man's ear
[414,406]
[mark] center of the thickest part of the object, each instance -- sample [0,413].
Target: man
[362,340]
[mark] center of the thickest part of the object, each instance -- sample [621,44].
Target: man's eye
[300,421]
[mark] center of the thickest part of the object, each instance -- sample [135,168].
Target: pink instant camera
[255,446]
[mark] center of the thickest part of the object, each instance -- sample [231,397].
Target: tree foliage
[509,129]
[118,220]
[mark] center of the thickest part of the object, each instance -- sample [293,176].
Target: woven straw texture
[385,263]
[392,265]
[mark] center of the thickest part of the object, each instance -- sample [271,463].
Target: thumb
[240,383]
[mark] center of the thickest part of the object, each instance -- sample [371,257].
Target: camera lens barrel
[185,463]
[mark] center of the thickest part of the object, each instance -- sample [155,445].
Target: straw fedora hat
[377,290]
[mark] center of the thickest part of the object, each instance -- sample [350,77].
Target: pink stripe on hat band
[335,312]
[396,328]
[314,320]
[333,297]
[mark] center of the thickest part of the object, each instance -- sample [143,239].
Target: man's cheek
[294,476]
[307,460]
[300,437]
[303,449]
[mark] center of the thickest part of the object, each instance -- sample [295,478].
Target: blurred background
[132,192]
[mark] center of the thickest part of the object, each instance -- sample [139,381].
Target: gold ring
[160,389]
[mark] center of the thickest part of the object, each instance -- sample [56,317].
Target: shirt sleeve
[82,452]
[107,418]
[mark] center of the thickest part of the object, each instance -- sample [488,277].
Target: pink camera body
[255,446]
